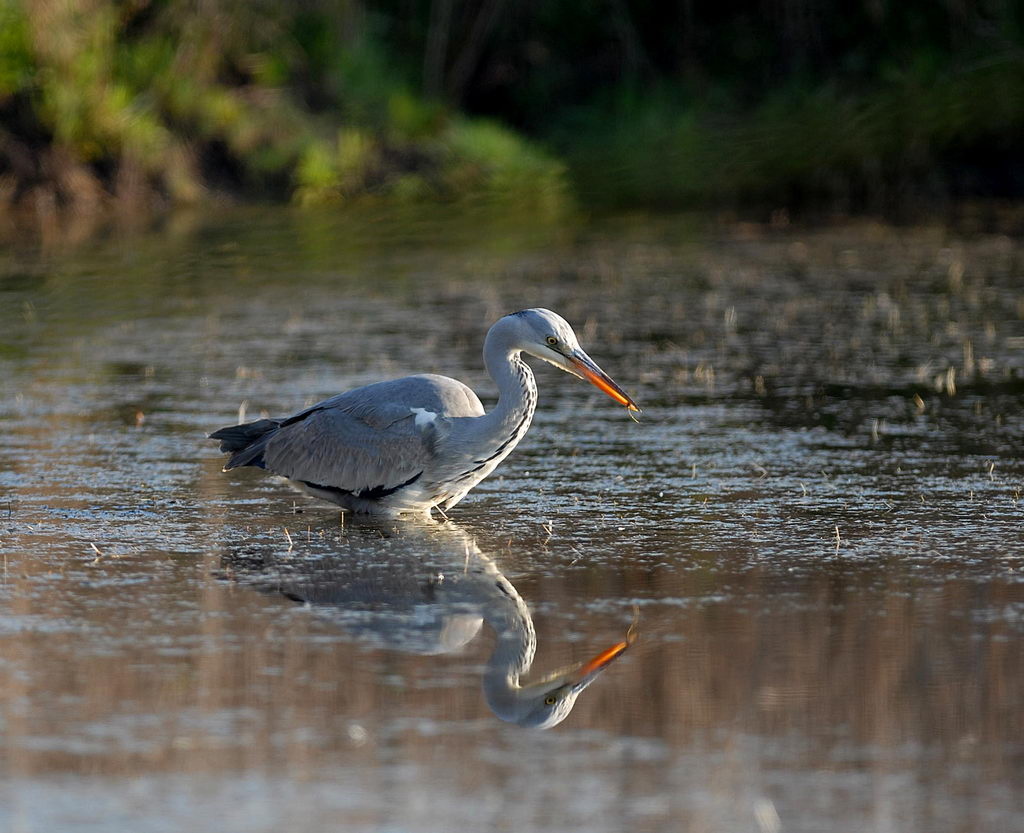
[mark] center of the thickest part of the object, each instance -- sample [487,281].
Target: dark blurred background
[790,105]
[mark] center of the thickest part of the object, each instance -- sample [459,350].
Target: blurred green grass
[163,102]
[803,144]
[138,105]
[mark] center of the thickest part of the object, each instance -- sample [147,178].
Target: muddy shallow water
[817,521]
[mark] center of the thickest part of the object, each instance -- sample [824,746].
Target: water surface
[818,520]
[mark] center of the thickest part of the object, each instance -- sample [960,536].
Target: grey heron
[428,589]
[408,445]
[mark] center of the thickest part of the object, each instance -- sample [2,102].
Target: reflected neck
[514,649]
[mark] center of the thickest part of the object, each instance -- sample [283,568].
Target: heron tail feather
[246,442]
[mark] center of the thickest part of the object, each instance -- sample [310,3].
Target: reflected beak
[585,367]
[587,672]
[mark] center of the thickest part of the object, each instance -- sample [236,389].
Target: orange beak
[588,671]
[589,370]
[602,660]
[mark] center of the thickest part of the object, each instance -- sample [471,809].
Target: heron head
[548,336]
[547,702]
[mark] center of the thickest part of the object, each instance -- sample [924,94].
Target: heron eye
[550,700]
[552,341]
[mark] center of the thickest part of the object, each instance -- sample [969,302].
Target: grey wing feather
[368,438]
[381,403]
[336,449]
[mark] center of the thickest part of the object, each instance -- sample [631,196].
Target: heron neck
[514,648]
[517,396]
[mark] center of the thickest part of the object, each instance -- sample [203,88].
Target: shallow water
[817,522]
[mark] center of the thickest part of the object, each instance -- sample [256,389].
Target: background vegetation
[138,104]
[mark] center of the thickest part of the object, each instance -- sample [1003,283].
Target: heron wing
[383,402]
[338,450]
[369,441]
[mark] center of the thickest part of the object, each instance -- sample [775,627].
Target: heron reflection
[428,589]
